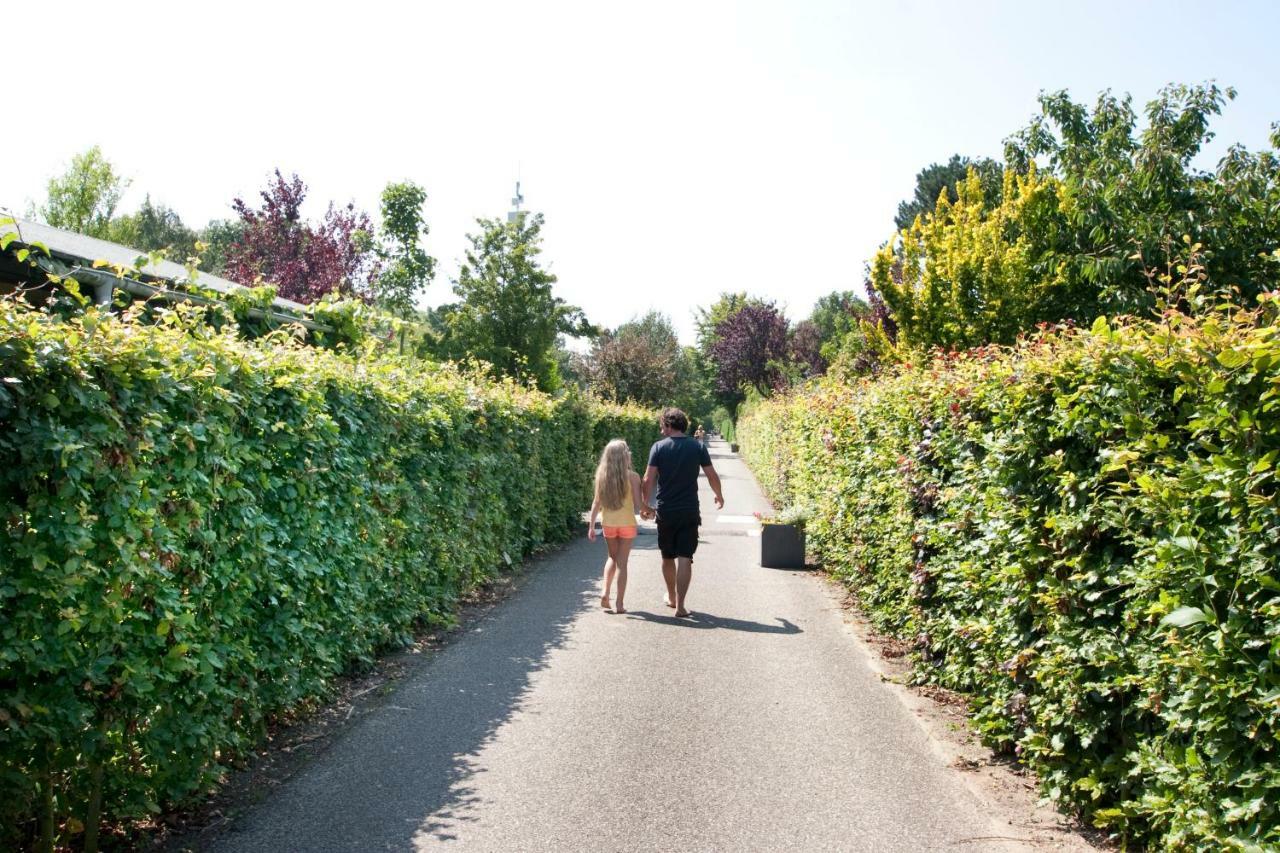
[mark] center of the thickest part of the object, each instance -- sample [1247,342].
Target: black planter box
[782,546]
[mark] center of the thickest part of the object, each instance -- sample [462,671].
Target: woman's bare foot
[619,609]
[666,599]
[683,614]
[604,602]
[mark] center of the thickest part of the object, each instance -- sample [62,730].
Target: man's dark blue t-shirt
[678,459]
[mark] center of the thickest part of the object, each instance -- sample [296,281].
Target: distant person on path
[618,497]
[673,468]
[700,436]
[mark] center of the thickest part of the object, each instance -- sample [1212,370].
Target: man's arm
[714,479]
[637,494]
[650,480]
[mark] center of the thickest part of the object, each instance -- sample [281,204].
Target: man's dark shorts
[678,534]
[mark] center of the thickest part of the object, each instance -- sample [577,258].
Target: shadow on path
[406,771]
[707,621]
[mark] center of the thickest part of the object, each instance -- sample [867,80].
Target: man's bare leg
[684,574]
[669,575]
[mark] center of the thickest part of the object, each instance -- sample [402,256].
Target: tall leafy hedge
[1083,534]
[200,532]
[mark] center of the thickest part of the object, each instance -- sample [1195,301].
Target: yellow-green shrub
[972,273]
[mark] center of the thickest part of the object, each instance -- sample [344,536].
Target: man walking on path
[673,469]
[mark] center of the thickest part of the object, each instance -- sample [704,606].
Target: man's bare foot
[683,614]
[604,602]
[667,601]
[619,609]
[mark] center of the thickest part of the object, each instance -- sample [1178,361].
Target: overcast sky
[677,149]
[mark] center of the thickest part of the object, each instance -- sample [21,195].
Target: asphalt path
[553,725]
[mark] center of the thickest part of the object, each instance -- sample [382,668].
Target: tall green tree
[695,392]
[573,368]
[155,227]
[85,197]
[507,314]
[934,179]
[407,268]
[1130,193]
[833,317]
[220,236]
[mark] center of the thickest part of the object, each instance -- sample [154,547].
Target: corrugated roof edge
[88,249]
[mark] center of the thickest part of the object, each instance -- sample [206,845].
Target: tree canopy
[643,362]
[640,361]
[833,317]
[507,314]
[1094,212]
[407,268]
[750,350]
[155,227]
[970,274]
[935,179]
[1130,194]
[304,260]
[85,197]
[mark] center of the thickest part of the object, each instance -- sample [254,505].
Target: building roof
[83,249]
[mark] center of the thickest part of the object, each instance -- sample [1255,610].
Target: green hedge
[722,422]
[638,426]
[201,532]
[1081,533]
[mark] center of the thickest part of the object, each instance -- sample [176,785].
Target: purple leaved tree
[750,349]
[303,260]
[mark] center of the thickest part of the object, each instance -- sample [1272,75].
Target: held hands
[647,514]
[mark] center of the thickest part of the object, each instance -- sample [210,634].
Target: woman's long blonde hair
[613,483]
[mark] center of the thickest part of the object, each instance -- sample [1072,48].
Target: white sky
[677,149]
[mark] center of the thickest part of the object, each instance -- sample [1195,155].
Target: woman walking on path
[618,496]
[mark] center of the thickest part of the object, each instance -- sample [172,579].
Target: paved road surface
[552,725]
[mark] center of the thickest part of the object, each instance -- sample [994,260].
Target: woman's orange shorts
[627,531]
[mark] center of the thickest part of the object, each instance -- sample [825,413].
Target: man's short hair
[675,419]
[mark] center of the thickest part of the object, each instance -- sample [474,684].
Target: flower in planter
[795,515]
[792,515]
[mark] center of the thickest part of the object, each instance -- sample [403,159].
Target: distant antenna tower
[516,212]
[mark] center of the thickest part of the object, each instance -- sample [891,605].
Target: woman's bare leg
[620,558]
[610,566]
